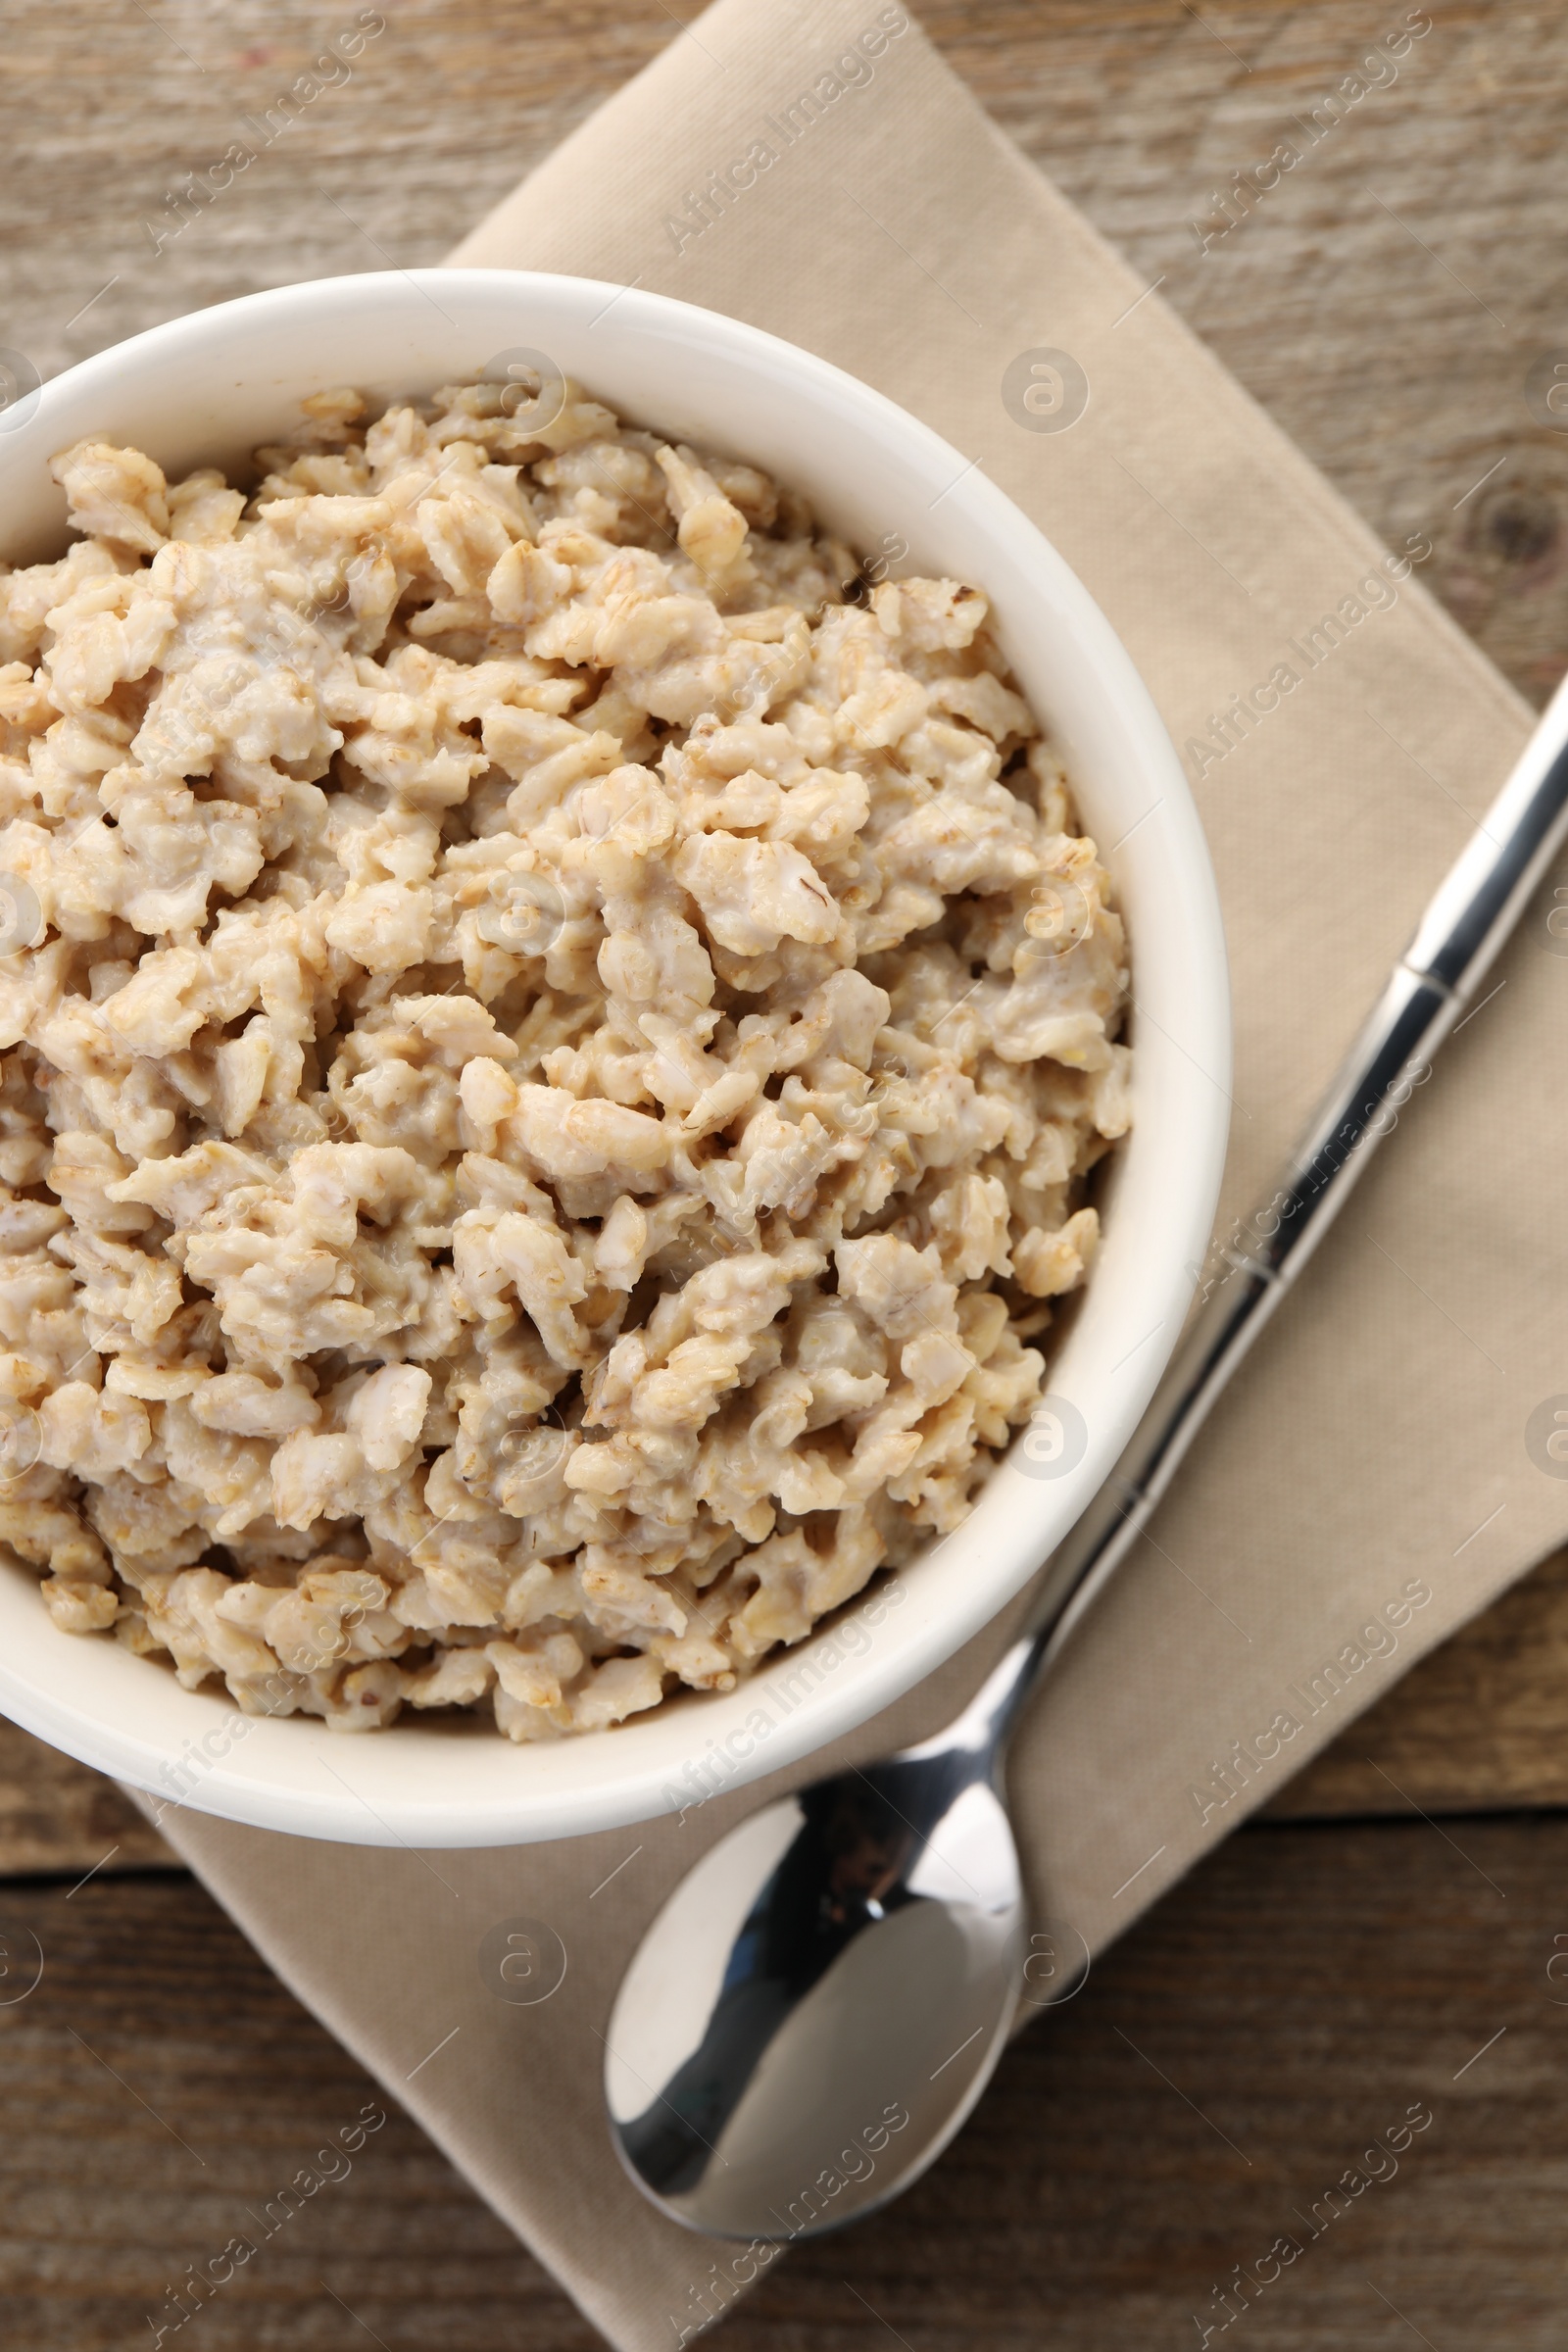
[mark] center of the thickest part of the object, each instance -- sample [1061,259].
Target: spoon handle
[1472,912]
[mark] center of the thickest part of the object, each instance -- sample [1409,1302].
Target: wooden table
[1357,1954]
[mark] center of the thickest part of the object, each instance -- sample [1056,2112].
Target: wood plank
[159,2091]
[1386,302]
[1481,1724]
[1304,1985]
[1393,343]
[1223,2066]
[57,1816]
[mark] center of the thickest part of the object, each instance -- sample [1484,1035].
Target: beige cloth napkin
[1367,1485]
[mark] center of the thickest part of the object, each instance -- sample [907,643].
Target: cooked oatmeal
[554,1041]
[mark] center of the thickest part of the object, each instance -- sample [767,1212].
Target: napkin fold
[1376,1476]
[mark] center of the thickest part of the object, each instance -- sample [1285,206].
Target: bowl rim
[617,1783]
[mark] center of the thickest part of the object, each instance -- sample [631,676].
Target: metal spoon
[821,2001]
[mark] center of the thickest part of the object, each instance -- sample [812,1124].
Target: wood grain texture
[1385,303]
[1481,1724]
[1221,2069]
[1237,2052]
[57,1816]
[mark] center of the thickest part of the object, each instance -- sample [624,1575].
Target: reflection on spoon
[820,2002]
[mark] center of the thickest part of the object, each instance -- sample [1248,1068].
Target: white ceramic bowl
[205,390]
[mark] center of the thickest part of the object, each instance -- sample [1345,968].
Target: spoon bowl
[868,1981]
[822,1999]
